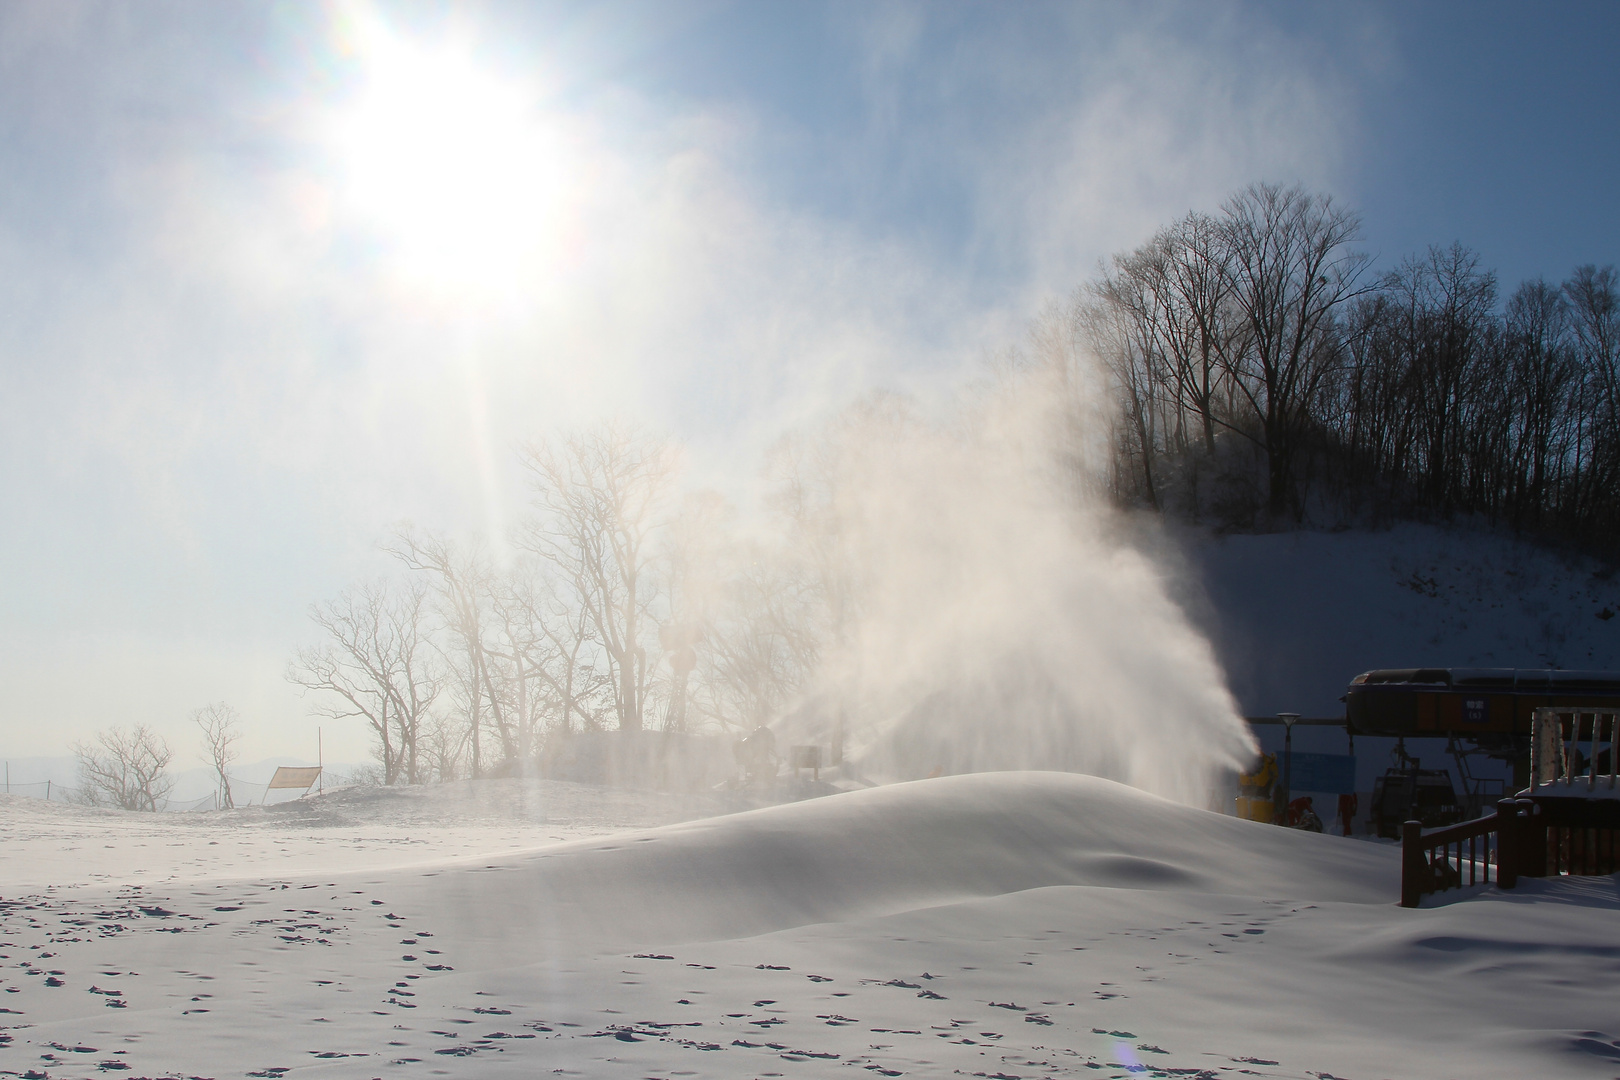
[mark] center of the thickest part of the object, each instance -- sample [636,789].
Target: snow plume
[984,610]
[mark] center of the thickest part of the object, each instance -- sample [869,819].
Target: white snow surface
[997,925]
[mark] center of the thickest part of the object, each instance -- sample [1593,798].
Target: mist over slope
[988,614]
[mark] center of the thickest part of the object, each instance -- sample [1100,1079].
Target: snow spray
[994,614]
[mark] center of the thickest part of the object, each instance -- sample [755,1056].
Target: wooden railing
[1575,780]
[1573,836]
[1556,757]
[1468,853]
[1524,837]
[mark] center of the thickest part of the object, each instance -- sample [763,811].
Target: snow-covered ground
[999,925]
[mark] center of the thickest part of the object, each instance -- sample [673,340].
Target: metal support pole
[1280,815]
[1537,722]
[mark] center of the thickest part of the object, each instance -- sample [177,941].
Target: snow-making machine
[1254,801]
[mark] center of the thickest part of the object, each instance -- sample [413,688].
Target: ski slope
[1295,616]
[998,925]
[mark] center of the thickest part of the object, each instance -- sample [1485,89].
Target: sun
[451,164]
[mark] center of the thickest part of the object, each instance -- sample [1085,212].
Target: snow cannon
[1254,801]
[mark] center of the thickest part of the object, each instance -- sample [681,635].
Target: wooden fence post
[1533,851]
[1510,831]
[1413,863]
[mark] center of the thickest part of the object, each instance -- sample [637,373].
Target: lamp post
[1281,813]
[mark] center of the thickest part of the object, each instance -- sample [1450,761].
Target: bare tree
[1594,305]
[740,632]
[516,651]
[220,728]
[1443,309]
[462,580]
[542,649]
[124,767]
[1120,319]
[554,639]
[1533,436]
[443,742]
[1188,281]
[1290,273]
[599,497]
[759,646]
[695,547]
[375,665]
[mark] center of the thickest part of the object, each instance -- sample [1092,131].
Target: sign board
[1328,773]
[304,778]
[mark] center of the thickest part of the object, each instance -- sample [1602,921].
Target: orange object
[1297,808]
[1347,811]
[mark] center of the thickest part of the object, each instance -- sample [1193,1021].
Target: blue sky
[225,370]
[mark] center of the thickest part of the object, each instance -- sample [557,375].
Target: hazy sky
[276,276]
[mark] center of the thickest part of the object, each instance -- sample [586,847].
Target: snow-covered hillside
[998,925]
[1294,616]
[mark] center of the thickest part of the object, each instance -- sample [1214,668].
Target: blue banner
[1329,773]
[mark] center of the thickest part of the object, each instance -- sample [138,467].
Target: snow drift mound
[484,801]
[877,852]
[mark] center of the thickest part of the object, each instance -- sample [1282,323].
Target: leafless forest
[621,603]
[1265,375]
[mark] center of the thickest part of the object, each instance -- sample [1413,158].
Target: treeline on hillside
[1264,372]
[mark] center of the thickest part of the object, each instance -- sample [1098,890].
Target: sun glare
[452,164]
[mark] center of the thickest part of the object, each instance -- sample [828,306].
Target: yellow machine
[1254,803]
